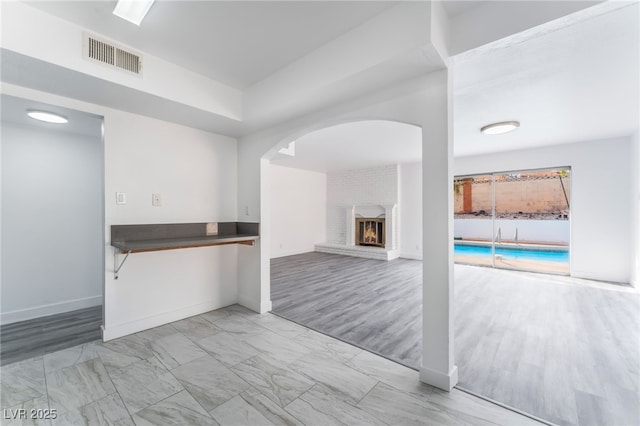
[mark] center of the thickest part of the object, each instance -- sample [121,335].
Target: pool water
[510,253]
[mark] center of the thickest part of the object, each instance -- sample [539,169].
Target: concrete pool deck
[559,268]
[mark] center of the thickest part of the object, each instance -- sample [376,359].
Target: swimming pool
[511,253]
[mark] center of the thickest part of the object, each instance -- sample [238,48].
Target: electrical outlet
[121,198]
[212,228]
[156,200]
[246,210]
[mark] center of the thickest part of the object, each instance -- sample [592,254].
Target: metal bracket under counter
[128,239]
[116,267]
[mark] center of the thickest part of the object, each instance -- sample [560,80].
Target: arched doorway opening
[323,194]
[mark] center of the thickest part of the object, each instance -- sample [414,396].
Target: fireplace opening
[370,232]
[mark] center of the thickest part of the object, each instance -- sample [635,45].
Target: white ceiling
[358,145]
[571,80]
[458,7]
[237,43]
[14,110]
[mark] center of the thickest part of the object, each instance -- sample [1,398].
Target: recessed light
[133,11]
[499,128]
[49,117]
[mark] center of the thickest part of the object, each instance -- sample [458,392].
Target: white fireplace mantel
[387,211]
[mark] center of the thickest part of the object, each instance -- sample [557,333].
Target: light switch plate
[121,198]
[212,228]
[156,200]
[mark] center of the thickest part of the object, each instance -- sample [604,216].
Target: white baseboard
[634,280]
[441,381]
[249,303]
[119,330]
[265,306]
[600,277]
[51,309]
[286,253]
[414,256]
[358,251]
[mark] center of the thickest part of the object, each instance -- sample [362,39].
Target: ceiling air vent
[112,55]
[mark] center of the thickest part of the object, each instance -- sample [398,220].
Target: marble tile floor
[230,367]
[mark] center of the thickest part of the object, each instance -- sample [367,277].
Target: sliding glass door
[514,220]
[474,220]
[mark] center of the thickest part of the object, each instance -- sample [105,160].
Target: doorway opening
[516,220]
[359,184]
[52,229]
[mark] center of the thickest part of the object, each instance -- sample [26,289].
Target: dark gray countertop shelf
[143,238]
[129,239]
[178,243]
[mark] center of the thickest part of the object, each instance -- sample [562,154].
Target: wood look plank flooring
[562,349]
[36,337]
[372,304]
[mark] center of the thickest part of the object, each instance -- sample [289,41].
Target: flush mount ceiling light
[499,128]
[133,11]
[49,117]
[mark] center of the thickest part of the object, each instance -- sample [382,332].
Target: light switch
[121,198]
[156,200]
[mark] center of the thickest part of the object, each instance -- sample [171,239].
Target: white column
[350,230]
[438,367]
[390,226]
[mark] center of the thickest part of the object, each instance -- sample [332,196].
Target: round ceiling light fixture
[49,117]
[500,128]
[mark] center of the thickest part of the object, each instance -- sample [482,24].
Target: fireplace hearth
[370,232]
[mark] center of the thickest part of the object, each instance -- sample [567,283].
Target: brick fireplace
[364,196]
[378,242]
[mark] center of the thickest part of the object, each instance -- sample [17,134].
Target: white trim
[414,256]
[266,306]
[600,277]
[51,309]
[436,378]
[286,253]
[247,302]
[366,252]
[131,327]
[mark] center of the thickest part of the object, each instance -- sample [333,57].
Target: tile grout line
[46,387]
[115,387]
[185,388]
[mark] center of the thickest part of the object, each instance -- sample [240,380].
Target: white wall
[634,161]
[196,173]
[298,210]
[425,102]
[361,187]
[37,34]
[600,203]
[51,222]
[409,102]
[411,211]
